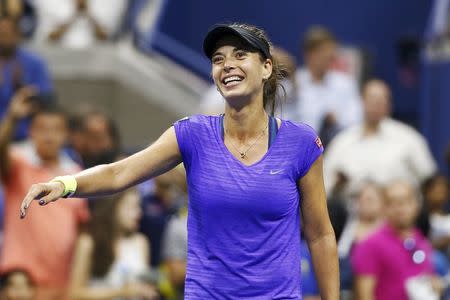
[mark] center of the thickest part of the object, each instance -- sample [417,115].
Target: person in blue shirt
[19,68]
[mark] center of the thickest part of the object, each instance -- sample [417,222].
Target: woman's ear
[267,69]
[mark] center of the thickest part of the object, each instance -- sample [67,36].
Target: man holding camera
[27,243]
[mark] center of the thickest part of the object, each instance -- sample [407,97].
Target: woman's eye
[217,60]
[240,54]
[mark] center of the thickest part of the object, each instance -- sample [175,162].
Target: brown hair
[104,231]
[272,86]
[315,37]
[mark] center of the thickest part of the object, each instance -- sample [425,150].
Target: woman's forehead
[234,42]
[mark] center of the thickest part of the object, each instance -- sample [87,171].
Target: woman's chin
[235,96]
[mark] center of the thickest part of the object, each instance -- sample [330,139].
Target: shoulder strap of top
[273,129]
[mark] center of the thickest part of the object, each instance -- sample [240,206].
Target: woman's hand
[44,193]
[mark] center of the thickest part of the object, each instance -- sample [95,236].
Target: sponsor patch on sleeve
[319,143]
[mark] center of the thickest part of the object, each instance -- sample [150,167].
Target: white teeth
[232,78]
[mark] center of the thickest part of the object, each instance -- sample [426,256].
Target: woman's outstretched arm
[156,159]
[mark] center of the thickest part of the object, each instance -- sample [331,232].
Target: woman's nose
[228,65]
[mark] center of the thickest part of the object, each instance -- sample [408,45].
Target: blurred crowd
[387,201]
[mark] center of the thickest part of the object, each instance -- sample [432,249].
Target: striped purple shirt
[243,221]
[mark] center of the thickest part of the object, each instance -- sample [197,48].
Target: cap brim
[218,32]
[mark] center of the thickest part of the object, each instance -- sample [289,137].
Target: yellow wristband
[69,182]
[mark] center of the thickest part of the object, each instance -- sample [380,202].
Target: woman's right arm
[156,159]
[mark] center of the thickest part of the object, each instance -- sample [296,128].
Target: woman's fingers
[44,193]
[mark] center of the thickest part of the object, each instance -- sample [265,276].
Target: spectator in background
[93,138]
[158,208]
[111,258]
[435,218]
[16,285]
[368,217]
[79,24]
[76,141]
[327,100]
[20,167]
[174,246]
[19,68]
[396,253]
[101,139]
[379,149]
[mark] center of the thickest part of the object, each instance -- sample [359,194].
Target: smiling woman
[255,43]
[250,176]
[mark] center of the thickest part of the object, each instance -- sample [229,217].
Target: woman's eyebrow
[235,49]
[240,48]
[217,53]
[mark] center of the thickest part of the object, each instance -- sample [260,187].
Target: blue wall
[435,108]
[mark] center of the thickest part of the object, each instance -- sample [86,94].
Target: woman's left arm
[318,231]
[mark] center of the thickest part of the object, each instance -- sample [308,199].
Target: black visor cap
[218,32]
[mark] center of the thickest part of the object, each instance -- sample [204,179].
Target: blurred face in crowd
[377,101]
[48,132]
[320,58]
[129,211]
[97,135]
[437,194]
[163,188]
[9,37]
[237,70]
[369,203]
[18,287]
[401,205]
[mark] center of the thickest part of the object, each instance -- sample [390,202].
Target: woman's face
[437,194]
[369,203]
[237,72]
[129,211]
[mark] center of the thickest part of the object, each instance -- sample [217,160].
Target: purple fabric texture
[243,221]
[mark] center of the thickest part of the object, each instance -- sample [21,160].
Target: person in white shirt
[379,149]
[78,24]
[325,97]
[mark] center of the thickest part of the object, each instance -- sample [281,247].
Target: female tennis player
[250,177]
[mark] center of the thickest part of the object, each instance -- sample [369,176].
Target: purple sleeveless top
[244,221]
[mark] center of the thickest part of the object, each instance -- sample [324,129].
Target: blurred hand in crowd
[22,104]
[142,290]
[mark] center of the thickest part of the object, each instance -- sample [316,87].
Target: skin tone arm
[311,298]
[177,271]
[20,107]
[318,231]
[365,287]
[156,159]
[81,266]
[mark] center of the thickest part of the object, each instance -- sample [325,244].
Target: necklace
[243,154]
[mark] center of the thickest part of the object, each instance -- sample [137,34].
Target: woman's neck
[245,122]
